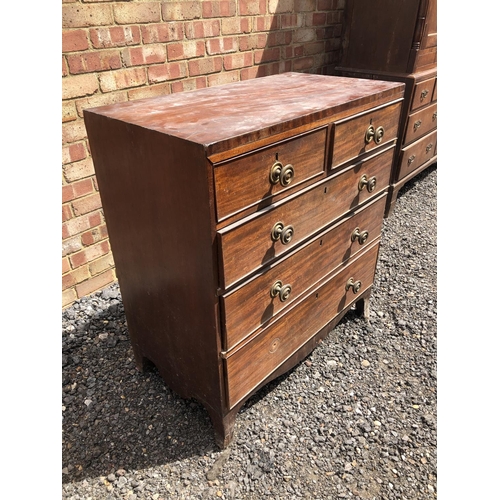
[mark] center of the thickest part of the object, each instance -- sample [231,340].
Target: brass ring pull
[355,285]
[423,95]
[369,134]
[280,290]
[417,124]
[434,115]
[282,233]
[428,148]
[379,134]
[361,236]
[274,175]
[281,174]
[286,176]
[411,159]
[369,183]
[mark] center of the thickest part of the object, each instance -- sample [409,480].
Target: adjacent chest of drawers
[244,222]
[396,40]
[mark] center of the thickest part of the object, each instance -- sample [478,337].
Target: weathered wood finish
[255,359]
[396,40]
[251,306]
[248,245]
[183,246]
[418,154]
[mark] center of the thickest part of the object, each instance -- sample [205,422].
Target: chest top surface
[240,109]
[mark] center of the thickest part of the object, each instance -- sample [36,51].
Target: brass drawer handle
[369,183]
[361,236]
[417,124]
[423,95]
[411,159]
[280,290]
[282,233]
[428,148]
[355,285]
[375,134]
[282,174]
[434,115]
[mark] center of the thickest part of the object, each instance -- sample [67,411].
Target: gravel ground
[356,419]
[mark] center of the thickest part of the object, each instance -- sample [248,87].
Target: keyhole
[277,154]
[320,242]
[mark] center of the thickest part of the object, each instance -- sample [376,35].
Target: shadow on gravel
[417,179]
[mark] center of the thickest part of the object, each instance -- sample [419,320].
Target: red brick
[122,79]
[83,187]
[67,193]
[302,35]
[175,11]
[79,86]
[305,5]
[189,84]
[81,16]
[79,224]
[65,265]
[164,32]
[185,50]
[252,7]
[303,63]
[319,19]
[94,61]
[95,235]
[266,23]
[223,78]
[239,60]
[222,8]
[66,212]
[88,254]
[258,41]
[78,170]
[95,283]
[205,66]
[235,25]
[87,204]
[314,48]
[324,33]
[73,131]
[166,72]
[149,91]
[222,45]
[325,4]
[249,73]
[279,38]
[149,54]
[202,29]
[74,152]
[262,56]
[116,36]
[289,21]
[74,40]
[137,13]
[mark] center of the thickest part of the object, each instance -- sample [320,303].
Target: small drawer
[253,178]
[422,93]
[252,305]
[259,239]
[417,154]
[361,133]
[421,122]
[253,361]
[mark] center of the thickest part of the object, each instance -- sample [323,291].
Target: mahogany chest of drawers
[396,40]
[245,222]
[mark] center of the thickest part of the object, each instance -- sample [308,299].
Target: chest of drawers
[244,222]
[397,41]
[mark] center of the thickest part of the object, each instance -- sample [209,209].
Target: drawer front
[257,176]
[364,132]
[249,365]
[255,303]
[258,240]
[417,154]
[422,94]
[421,122]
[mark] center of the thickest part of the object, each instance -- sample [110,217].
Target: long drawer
[257,240]
[255,177]
[421,122]
[253,304]
[247,366]
[417,154]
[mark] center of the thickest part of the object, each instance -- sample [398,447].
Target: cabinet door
[430,31]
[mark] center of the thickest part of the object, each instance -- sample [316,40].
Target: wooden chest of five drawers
[245,222]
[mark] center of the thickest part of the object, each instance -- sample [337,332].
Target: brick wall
[115,51]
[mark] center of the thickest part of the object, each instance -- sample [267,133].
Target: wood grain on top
[264,106]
